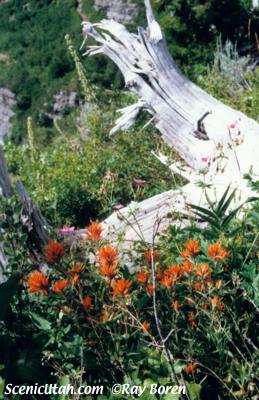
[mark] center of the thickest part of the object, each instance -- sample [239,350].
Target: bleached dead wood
[217,143]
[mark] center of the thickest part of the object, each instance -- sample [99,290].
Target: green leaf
[170,396]
[2,386]
[7,291]
[203,211]
[40,322]
[218,209]
[194,390]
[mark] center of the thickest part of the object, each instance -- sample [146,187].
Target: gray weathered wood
[33,220]
[218,143]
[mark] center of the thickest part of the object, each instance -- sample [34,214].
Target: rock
[120,10]
[62,100]
[7,101]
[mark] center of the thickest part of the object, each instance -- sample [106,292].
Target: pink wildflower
[66,229]
[139,182]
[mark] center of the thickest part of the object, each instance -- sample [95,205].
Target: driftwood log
[216,143]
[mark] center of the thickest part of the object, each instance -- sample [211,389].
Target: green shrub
[73,180]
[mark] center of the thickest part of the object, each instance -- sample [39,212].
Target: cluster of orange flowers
[108,267]
[108,260]
[54,252]
[94,231]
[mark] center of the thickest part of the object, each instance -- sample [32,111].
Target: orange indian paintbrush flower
[167,281]
[190,368]
[108,256]
[217,252]
[59,286]
[76,269]
[151,255]
[216,302]
[150,289]
[176,305]
[94,231]
[191,248]
[38,282]
[145,326]
[203,271]
[142,277]
[87,303]
[54,251]
[175,272]
[121,287]
[109,271]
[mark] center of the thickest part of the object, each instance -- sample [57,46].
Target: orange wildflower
[151,254]
[175,272]
[94,231]
[216,302]
[54,251]
[190,368]
[59,286]
[167,281]
[87,303]
[198,286]
[176,305]
[159,274]
[38,282]
[191,248]
[203,271]
[121,287]
[142,277]
[108,255]
[187,267]
[145,326]
[74,279]
[109,271]
[191,319]
[150,289]
[217,252]
[77,268]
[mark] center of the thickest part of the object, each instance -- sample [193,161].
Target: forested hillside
[36,65]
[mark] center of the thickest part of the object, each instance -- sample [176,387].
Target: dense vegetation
[36,64]
[89,313]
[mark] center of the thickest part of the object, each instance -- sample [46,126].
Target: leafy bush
[186,313]
[73,181]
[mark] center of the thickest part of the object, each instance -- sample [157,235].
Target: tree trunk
[217,144]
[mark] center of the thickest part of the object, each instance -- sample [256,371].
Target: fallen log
[216,143]
[33,220]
